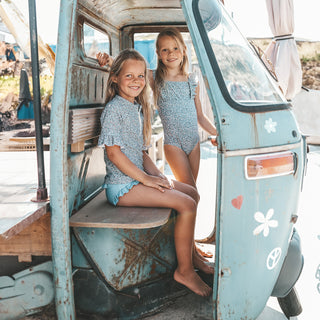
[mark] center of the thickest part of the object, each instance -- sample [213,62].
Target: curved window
[94,41]
[241,75]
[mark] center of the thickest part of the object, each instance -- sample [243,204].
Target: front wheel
[290,304]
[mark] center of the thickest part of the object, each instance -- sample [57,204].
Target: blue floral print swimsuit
[178,113]
[121,125]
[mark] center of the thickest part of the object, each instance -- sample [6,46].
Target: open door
[261,158]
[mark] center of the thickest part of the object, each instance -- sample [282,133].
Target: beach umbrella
[282,51]
[24,93]
[25,108]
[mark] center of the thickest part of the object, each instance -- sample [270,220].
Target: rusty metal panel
[126,257]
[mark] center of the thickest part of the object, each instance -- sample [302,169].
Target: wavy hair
[161,68]
[142,98]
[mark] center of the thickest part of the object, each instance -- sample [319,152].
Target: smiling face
[169,52]
[131,79]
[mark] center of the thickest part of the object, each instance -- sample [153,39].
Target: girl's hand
[104,59]
[213,140]
[159,182]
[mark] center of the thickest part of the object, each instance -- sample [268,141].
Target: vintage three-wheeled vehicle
[118,262]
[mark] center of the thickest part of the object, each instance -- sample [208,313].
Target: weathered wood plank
[12,222]
[33,240]
[98,213]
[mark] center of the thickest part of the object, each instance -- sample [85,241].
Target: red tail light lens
[269,165]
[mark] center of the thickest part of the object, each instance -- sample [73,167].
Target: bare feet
[198,263]
[192,281]
[210,239]
[202,253]
[197,253]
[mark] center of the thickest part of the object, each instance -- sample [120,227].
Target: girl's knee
[196,195]
[189,205]
[193,192]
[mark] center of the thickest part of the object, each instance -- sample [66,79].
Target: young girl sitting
[176,94]
[132,178]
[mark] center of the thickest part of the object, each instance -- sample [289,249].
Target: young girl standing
[132,178]
[176,94]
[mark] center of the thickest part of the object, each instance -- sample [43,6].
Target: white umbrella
[282,51]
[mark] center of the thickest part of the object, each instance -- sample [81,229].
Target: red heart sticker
[237,202]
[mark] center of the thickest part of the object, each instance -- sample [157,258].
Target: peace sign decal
[273,258]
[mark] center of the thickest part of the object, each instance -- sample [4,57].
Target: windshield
[244,76]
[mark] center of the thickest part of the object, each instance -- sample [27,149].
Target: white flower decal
[266,223]
[270,126]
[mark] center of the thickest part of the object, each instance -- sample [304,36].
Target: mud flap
[291,268]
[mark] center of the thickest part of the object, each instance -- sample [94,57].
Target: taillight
[269,165]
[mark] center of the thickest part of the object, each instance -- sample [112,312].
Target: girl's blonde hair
[142,98]
[161,68]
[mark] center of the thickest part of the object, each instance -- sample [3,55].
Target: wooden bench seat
[98,213]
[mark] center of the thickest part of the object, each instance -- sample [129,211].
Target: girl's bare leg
[198,260]
[180,164]
[185,169]
[186,206]
[194,160]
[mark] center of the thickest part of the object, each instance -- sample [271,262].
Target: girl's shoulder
[111,107]
[193,78]
[117,102]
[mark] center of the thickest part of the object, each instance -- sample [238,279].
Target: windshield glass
[245,77]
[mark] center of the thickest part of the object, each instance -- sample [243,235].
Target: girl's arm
[203,120]
[150,167]
[123,163]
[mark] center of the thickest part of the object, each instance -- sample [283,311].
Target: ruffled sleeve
[193,83]
[110,128]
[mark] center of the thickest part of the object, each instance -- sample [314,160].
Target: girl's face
[131,79]
[170,52]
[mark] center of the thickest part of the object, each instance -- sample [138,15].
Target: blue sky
[250,16]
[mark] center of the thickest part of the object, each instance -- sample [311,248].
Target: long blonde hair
[142,98]
[161,68]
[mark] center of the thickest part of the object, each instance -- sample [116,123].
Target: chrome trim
[247,152]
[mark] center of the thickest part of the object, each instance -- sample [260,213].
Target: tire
[290,304]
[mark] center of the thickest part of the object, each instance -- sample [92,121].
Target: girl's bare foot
[201,265]
[197,253]
[202,254]
[192,281]
[210,239]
